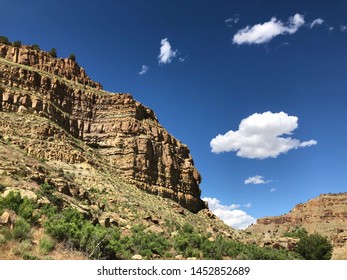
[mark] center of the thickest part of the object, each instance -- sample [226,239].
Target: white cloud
[308,143]
[144,70]
[166,53]
[316,22]
[233,20]
[248,205]
[343,28]
[273,190]
[229,214]
[259,136]
[256,180]
[264,32]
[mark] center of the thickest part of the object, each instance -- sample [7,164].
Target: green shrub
[2,187]
[66,225]
[297,232]
[22,248]
[46,244]
[53,53]
[72,57]
[24,207]
[98,242]
[29,257]
[12,201]
[17,44]
[4,40]
[36,47]
[5,234]
[144,243]
[21,230]
[26,211]
[314,247]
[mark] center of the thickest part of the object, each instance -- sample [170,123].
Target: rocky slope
[122,130]
[326,214]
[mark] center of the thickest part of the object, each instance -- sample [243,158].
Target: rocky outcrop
[326,214]
[121,129]
[40,60]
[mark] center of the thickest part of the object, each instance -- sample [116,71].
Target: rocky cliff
[122,130]
[326,214]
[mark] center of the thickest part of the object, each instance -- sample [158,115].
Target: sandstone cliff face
[122,130]
[41,60]
[326,214]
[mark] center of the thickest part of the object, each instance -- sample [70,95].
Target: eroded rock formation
[120,128]
[326,214]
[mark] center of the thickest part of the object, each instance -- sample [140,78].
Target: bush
[17,44]
[72,57]
[5,234]
[298,232]
[144,243]
[36,47]
[53,53]
[22,206]
[21,230]
[27,211]
[12,201]
[98,242]
[4,40]
[314,247]
[46,244]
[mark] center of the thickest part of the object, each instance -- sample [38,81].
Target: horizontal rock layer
[122,130]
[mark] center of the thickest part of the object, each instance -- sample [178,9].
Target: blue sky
[206,66]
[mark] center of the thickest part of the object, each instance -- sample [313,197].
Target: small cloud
[260,136]
[230,214]
[166,53]
[308,143]
[182,59]
[248,205]
[144,70]
[233,20]
[343,28]
[256,180]
[265,32]
[331,28]
[273,190]
[316,22]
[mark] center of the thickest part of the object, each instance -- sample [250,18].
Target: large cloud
[230,214]
[166,53]
[259,136]
[264,32]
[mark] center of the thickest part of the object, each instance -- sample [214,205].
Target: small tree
[17,44]
[53,53]
[4,40]
[36,47]
[314,247]
[72,57]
